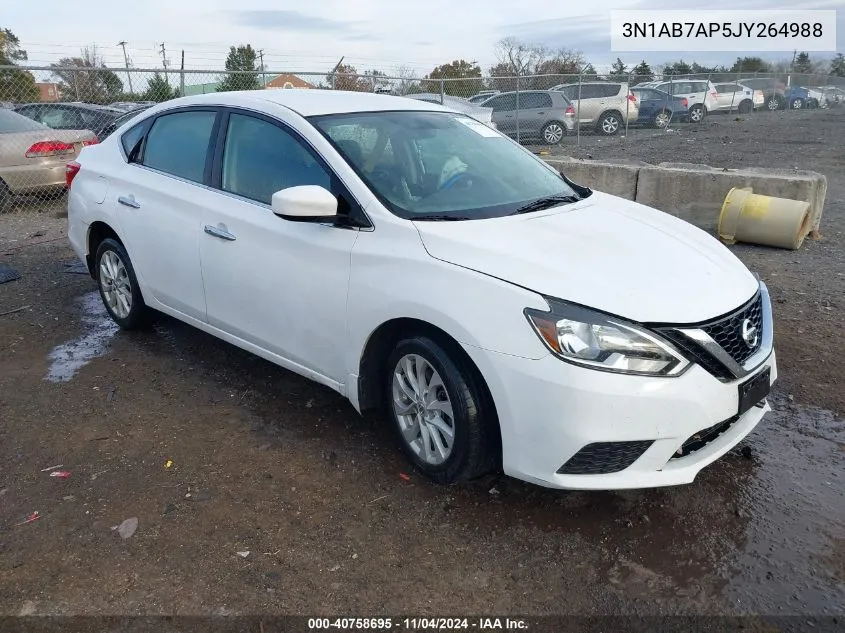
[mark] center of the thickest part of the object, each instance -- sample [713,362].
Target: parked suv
[700,94]
[539,115]
[607,105]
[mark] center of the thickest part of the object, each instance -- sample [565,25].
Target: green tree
[86,78]
[802,63]
[677,68]
[837,65]
[462,78]
[15,85]
[750,65]
[588,73]
[158,89]
[642,72]
[244,75]
[619,68]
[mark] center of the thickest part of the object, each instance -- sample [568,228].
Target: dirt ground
[267,463]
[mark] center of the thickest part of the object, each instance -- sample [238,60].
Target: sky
[381,34]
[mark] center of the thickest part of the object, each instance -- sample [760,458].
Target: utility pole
[126,60]
[182,76]
[263,76]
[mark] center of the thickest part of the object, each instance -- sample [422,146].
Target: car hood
[603,252]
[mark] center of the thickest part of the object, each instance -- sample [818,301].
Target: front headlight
[596,340]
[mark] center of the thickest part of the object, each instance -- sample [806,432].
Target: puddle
[762,534]
[67,358]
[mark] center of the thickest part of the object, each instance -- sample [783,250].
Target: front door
[274,283]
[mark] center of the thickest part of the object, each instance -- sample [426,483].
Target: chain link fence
[48,114]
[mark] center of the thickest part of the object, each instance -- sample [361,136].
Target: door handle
[223,234]
[129,201]
[543,112]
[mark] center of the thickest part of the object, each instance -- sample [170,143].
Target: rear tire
[609,123]
[118,286]
[773,103]
[440,412]
[797,104]
[662,119]
[746,107]
[696,113]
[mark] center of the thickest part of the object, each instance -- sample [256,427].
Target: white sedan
[421,263]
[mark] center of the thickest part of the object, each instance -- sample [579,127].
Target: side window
[260,158]
[610,90]
[503,103]
[590,91]
[571,92]
[92,119]
[178,144]
[535,100]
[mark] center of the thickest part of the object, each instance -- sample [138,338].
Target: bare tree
[519,57]
[405,80]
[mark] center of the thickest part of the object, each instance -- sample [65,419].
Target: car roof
[80,106]
[310,102]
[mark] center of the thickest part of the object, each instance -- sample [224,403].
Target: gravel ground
[268,463]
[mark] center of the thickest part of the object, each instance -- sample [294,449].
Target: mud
[267,462]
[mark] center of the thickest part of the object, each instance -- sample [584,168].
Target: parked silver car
[608,105]
[532,115]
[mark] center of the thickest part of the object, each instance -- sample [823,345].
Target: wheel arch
[97,232]
[371,364]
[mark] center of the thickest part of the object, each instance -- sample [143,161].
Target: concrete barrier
[616,177]
[695,193]
[690,191]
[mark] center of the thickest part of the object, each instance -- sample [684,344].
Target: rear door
[533,112]
[159,198]
[728,96]
[651,102]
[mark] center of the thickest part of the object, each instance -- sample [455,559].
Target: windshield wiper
[545,203]
[440,217]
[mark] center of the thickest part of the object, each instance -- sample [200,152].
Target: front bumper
[549,410]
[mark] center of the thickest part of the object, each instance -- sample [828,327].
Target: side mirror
[305,203]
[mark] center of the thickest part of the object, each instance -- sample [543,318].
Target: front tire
[773,103]
[797,104]
[118,286]
[553,133]
[439,411]
[5,195]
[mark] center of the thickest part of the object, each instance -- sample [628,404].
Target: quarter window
[178,144]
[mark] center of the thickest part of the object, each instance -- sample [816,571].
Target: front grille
[701,439]
[727,331]
[603,458]
[698,354]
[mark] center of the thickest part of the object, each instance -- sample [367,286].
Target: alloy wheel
[553,133]
[662,120]
[423,409]
[610,124]
[115,284]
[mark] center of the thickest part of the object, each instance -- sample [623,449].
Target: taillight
[714,94]
[92,141]
[71,169]
[49,148]
[570,111]
[632,98]
[684,102]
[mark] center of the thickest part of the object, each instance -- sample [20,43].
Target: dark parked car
[659,108]
[774,91]
[70,116]
[541,115]
[116,123]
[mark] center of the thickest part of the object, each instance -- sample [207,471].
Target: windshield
[440,165]
[11,122]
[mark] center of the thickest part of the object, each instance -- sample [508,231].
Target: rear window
[11,122]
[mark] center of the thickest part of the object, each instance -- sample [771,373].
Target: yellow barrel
[749,217]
